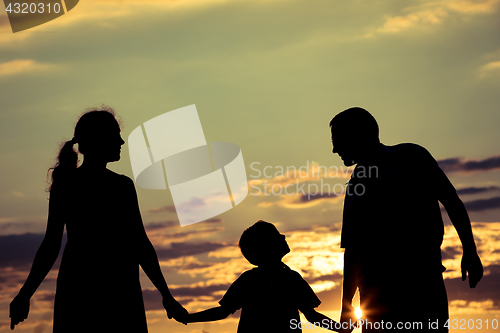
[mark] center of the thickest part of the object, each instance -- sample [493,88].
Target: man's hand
[175,310]
[471,264]
[347,318]
[19,309]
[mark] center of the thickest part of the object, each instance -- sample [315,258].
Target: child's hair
[257,241]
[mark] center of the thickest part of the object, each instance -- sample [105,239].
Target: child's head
[262,243]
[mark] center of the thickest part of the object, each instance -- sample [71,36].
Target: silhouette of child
[269,295]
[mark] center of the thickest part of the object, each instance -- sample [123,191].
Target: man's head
[262,243]
[354,134]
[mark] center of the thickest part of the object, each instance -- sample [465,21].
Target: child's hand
[347,318]
[175,310]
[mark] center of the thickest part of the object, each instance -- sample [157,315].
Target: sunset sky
[268,76]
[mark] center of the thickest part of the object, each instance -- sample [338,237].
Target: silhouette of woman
[98,288]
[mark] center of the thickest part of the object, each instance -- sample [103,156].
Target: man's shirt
[394,201]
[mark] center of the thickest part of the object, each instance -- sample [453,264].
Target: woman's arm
[149,263]
[44,259]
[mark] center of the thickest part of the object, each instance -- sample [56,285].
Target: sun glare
[358,312]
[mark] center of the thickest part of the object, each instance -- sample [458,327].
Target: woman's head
[97,133]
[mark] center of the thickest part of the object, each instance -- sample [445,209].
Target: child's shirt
[269,299]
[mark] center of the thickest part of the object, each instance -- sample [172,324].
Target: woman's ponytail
[66,164]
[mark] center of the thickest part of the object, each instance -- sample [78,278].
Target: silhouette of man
[392,230]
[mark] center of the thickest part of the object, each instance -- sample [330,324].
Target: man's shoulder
[409,150]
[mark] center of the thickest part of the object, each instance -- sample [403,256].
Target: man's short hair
[356,120]
[257,240]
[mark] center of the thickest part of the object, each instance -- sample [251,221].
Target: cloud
[482,204]
[304,200]
[459,164]
[317,196]
[19,66]
[297,187]
[475,190]
[167,208]
[284,175]
[19,250]
[473,7]
[433,13]
[165,232]
[450,252]
[169,224]
[489,69]
[156,226]
[487,238]
[178,250]
[394,24]
[104,13]
[488,289]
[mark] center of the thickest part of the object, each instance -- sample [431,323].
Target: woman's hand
[19,309]
[175,310]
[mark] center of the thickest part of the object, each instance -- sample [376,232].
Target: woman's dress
[98,287]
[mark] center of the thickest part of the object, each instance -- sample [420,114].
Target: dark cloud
[450,252]
[167,208]
[200,291]
[196,265]
[213,220]
[475,190]
[487,289]
[306,197]
[47,297]
[178,250]
[332,227]
[156,226]
[482,204]
[186,206]
[19,250]
[187,232]
[466,165]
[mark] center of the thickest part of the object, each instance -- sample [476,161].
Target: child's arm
[212,314]
[314,316]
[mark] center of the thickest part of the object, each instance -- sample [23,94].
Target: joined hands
[175,310]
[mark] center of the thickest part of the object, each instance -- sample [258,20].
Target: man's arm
[349,286]
[471,263]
